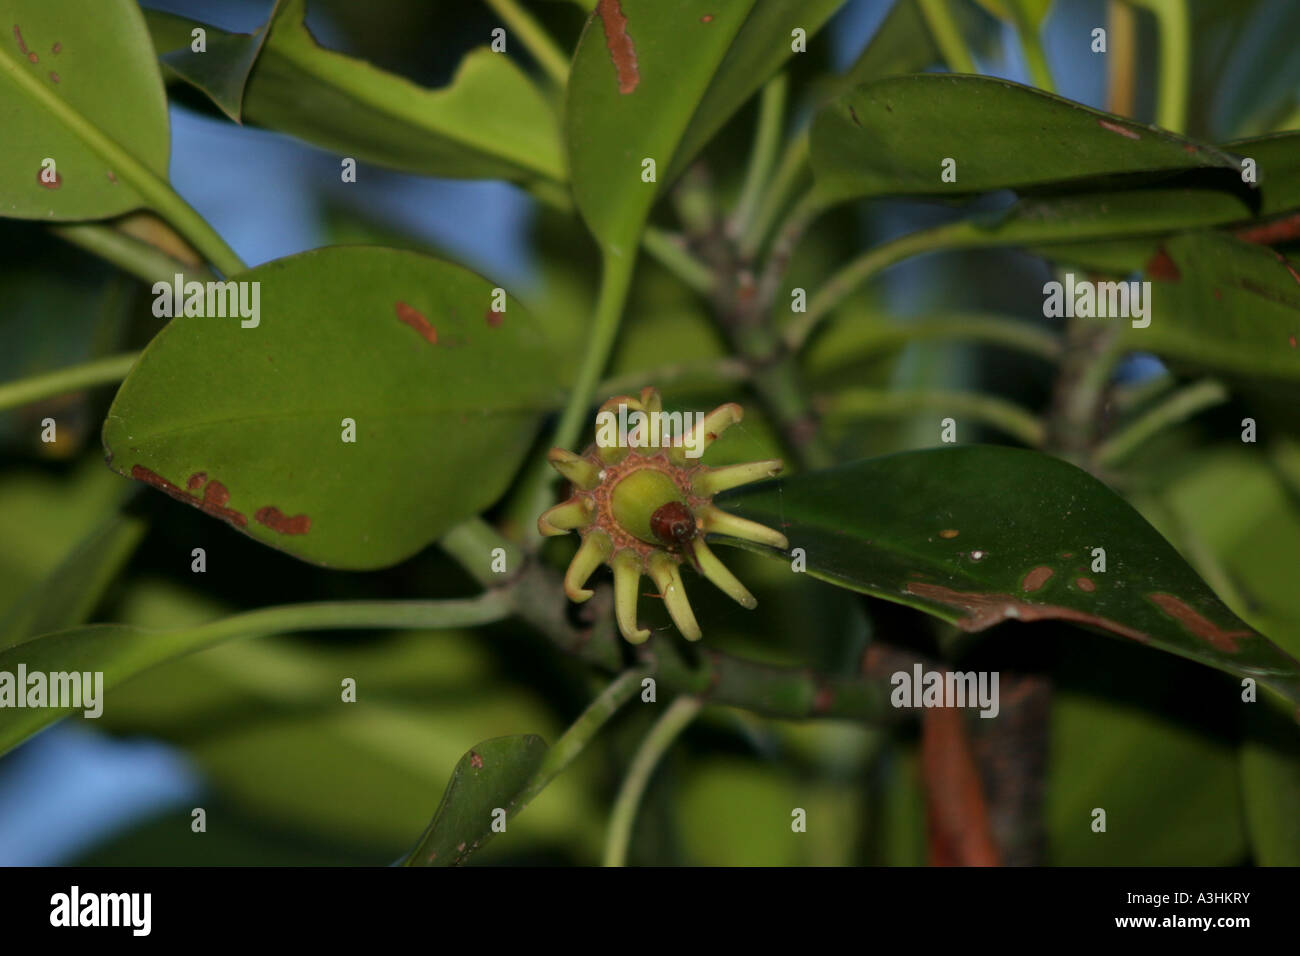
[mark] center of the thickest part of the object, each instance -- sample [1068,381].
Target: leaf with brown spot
[1003,136]
[490,776]
[868,526]
[1232,309]
[259,411]
[648,81]
[107,89]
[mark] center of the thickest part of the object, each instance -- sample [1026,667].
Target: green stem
[972,327]
[1176,407]
[582,730]
[534,36]
[155,190]
[131,255]
[791,165]
[1175,31]
[784,692]
[666,730]
[938,17]
[709,372]
[771,110]
[615,280]
[103,371]
[1031,46]
[349,615]
[669,251]
[999,413]
[953,235]
[471,544]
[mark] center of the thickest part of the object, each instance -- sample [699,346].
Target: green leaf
[979,535]
[758,51]
[221,71]
[1220,303]
[70,593]
[249,423]
[491,776]
[116,650]
[120,651]
[49,512]
[890,137]
[490,122]
[655,80]
[1071,223]
[101,91]
[903,43]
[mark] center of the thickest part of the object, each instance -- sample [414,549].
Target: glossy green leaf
[1220,303]
[221,70]
[891,136]
[640,68]
[249,423]
[653,79]
[978,535]
[490,777]
[489,122]
[1266,214]
[116,650]
[75,81]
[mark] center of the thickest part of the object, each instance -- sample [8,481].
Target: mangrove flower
[642,503]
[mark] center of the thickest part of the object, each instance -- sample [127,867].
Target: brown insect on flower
[644,507]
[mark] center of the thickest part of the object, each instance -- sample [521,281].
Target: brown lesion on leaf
[985,610]
[949,533]
[1085,584]
[1116,128]
[853,115]
[1036,578]
[22,46]
[1197,623]
[1162,267]
[278,521]
[49,184]
[54,77]
[214,501]
[196,480]
[475,760]
[216,494]
[621,48]
[413,317]
[1271,233]
[494,318]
